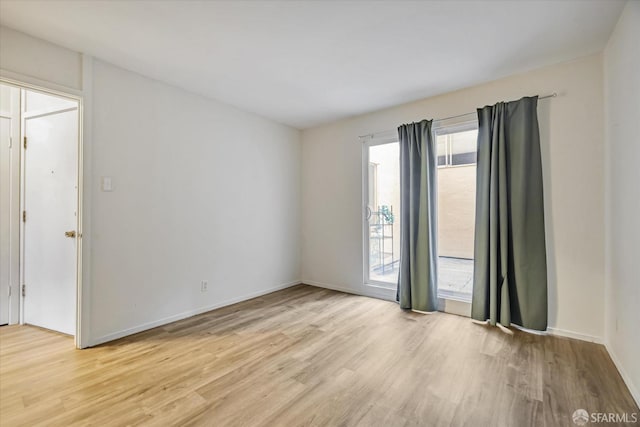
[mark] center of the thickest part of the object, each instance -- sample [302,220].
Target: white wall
[622,107]
[572,148]
[202,191]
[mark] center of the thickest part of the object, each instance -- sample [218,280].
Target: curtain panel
[417,279]
[510,268]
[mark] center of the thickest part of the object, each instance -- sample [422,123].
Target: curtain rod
[553,95]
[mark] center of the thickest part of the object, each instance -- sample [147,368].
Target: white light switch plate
[106,183]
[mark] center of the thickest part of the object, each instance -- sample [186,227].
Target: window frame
[444,129]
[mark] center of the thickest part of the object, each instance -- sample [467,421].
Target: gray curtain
[510,267]
[417,279]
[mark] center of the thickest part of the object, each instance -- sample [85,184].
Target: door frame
[79,97]
[13,241]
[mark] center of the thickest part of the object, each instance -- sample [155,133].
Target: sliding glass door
[456,162]
[456,148]
[381,169]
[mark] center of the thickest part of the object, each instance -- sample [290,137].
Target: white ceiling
[303,63]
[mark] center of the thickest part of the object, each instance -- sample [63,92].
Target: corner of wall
[621,64]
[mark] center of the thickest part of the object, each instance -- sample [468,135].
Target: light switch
[106,183]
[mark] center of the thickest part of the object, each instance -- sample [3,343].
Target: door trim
[10,298]
[79,97]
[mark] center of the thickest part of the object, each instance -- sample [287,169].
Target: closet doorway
[40,200]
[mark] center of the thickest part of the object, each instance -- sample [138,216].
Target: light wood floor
[307,356]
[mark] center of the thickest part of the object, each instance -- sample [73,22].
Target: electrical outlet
[204,285]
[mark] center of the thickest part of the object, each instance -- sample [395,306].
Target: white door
[50,204]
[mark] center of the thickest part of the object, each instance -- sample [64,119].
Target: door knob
[71,233]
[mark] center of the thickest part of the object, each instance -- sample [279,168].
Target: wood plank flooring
[306,356]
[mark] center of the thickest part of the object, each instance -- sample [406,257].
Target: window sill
[381,285]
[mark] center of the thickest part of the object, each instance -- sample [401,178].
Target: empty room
[319,213]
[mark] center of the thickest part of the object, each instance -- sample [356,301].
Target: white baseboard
[367,291]
[576,335]
[635,393]
[189,313]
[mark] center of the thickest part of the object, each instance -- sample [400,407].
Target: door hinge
[24,216]
[24,290]
[25,142]
[9,291]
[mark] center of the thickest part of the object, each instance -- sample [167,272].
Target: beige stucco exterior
[456,211]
